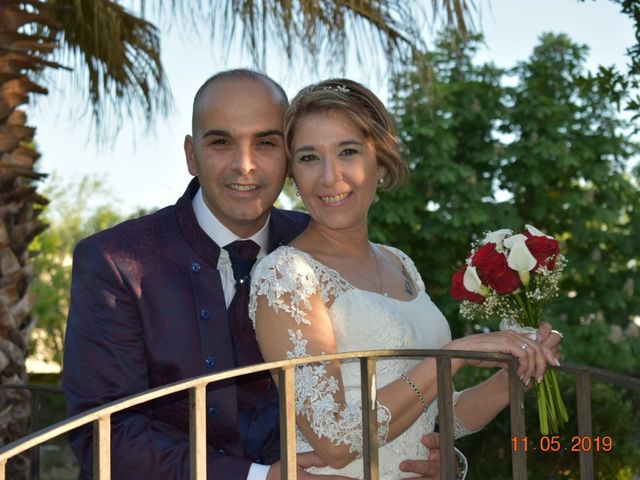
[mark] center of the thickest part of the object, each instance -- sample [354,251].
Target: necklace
[379,287]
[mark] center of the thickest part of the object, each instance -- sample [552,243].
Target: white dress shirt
[223,237]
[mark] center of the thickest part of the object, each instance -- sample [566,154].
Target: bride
[332,290]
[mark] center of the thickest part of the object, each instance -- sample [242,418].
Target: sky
[147,169]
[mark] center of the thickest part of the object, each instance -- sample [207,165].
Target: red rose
[544,249]
[493,269]
[459,292]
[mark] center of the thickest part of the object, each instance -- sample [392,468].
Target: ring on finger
[558,333]
[525,345]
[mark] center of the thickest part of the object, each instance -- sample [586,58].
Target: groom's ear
[189,153]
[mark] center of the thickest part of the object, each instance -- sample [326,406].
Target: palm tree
[115,56]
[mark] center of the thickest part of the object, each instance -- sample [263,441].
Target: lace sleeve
[290,295]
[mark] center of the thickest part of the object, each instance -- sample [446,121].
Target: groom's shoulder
[289,220]
[151,226]
[294,216]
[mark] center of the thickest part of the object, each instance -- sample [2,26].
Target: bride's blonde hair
[364,109]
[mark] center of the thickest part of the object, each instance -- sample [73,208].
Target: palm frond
[458,14]
[320,27]
[116,53]
[321,31]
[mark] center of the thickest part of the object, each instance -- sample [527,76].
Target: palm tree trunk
[20,59]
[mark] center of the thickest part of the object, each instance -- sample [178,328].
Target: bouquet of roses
[511,276]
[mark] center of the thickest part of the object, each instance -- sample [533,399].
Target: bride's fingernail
[539,379]
[557,362]
[526,384]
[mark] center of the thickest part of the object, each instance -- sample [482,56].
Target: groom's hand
[304,461]
[429,468]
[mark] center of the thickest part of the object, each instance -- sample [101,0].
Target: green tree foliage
[76,211]
[542,143]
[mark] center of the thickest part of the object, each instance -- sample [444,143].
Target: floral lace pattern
[314,400]
[287,279]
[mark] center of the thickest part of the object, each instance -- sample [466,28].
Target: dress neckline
[349,285]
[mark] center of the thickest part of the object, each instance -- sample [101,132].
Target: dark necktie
[242,254]
[257,395]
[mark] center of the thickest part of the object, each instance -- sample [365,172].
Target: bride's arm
[333,428]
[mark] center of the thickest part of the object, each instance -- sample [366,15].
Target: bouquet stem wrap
[552,413]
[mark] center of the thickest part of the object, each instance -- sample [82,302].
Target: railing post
[102,448]
[369,418]
[583,400]
[3,466]
[445,418]
[518,430]
[287,404]
[198,432]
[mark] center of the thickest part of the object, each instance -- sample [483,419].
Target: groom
[161,298]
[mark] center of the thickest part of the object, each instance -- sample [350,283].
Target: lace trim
[342,425]
[296,276]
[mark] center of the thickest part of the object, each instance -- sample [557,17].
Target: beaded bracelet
[415,389]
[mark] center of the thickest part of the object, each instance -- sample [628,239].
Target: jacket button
[213,411]
[204,313]
[221,451]
[195,267]
[210,362]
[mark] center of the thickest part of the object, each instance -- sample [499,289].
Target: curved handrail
[101,415]
[88,416]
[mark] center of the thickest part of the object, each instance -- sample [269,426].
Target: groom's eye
[267,143]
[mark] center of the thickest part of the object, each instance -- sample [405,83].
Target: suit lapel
[193,235]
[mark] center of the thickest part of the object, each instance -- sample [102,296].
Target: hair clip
[337,88]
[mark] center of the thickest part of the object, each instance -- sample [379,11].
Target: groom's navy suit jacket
[147,309]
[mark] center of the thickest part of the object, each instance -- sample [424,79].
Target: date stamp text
[553,443]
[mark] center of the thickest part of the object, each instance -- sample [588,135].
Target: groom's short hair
[235,74]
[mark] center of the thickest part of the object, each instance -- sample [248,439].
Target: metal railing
[101,417]
[38,394]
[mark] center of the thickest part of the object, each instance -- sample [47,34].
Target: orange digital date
[552,443]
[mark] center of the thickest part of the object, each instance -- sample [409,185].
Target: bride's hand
[532,356]
[550,338]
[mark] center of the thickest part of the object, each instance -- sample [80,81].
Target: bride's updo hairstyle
[364,109]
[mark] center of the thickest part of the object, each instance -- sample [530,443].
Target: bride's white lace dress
[361,320]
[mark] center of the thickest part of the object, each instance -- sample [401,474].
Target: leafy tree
[448,128]
[551,150]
